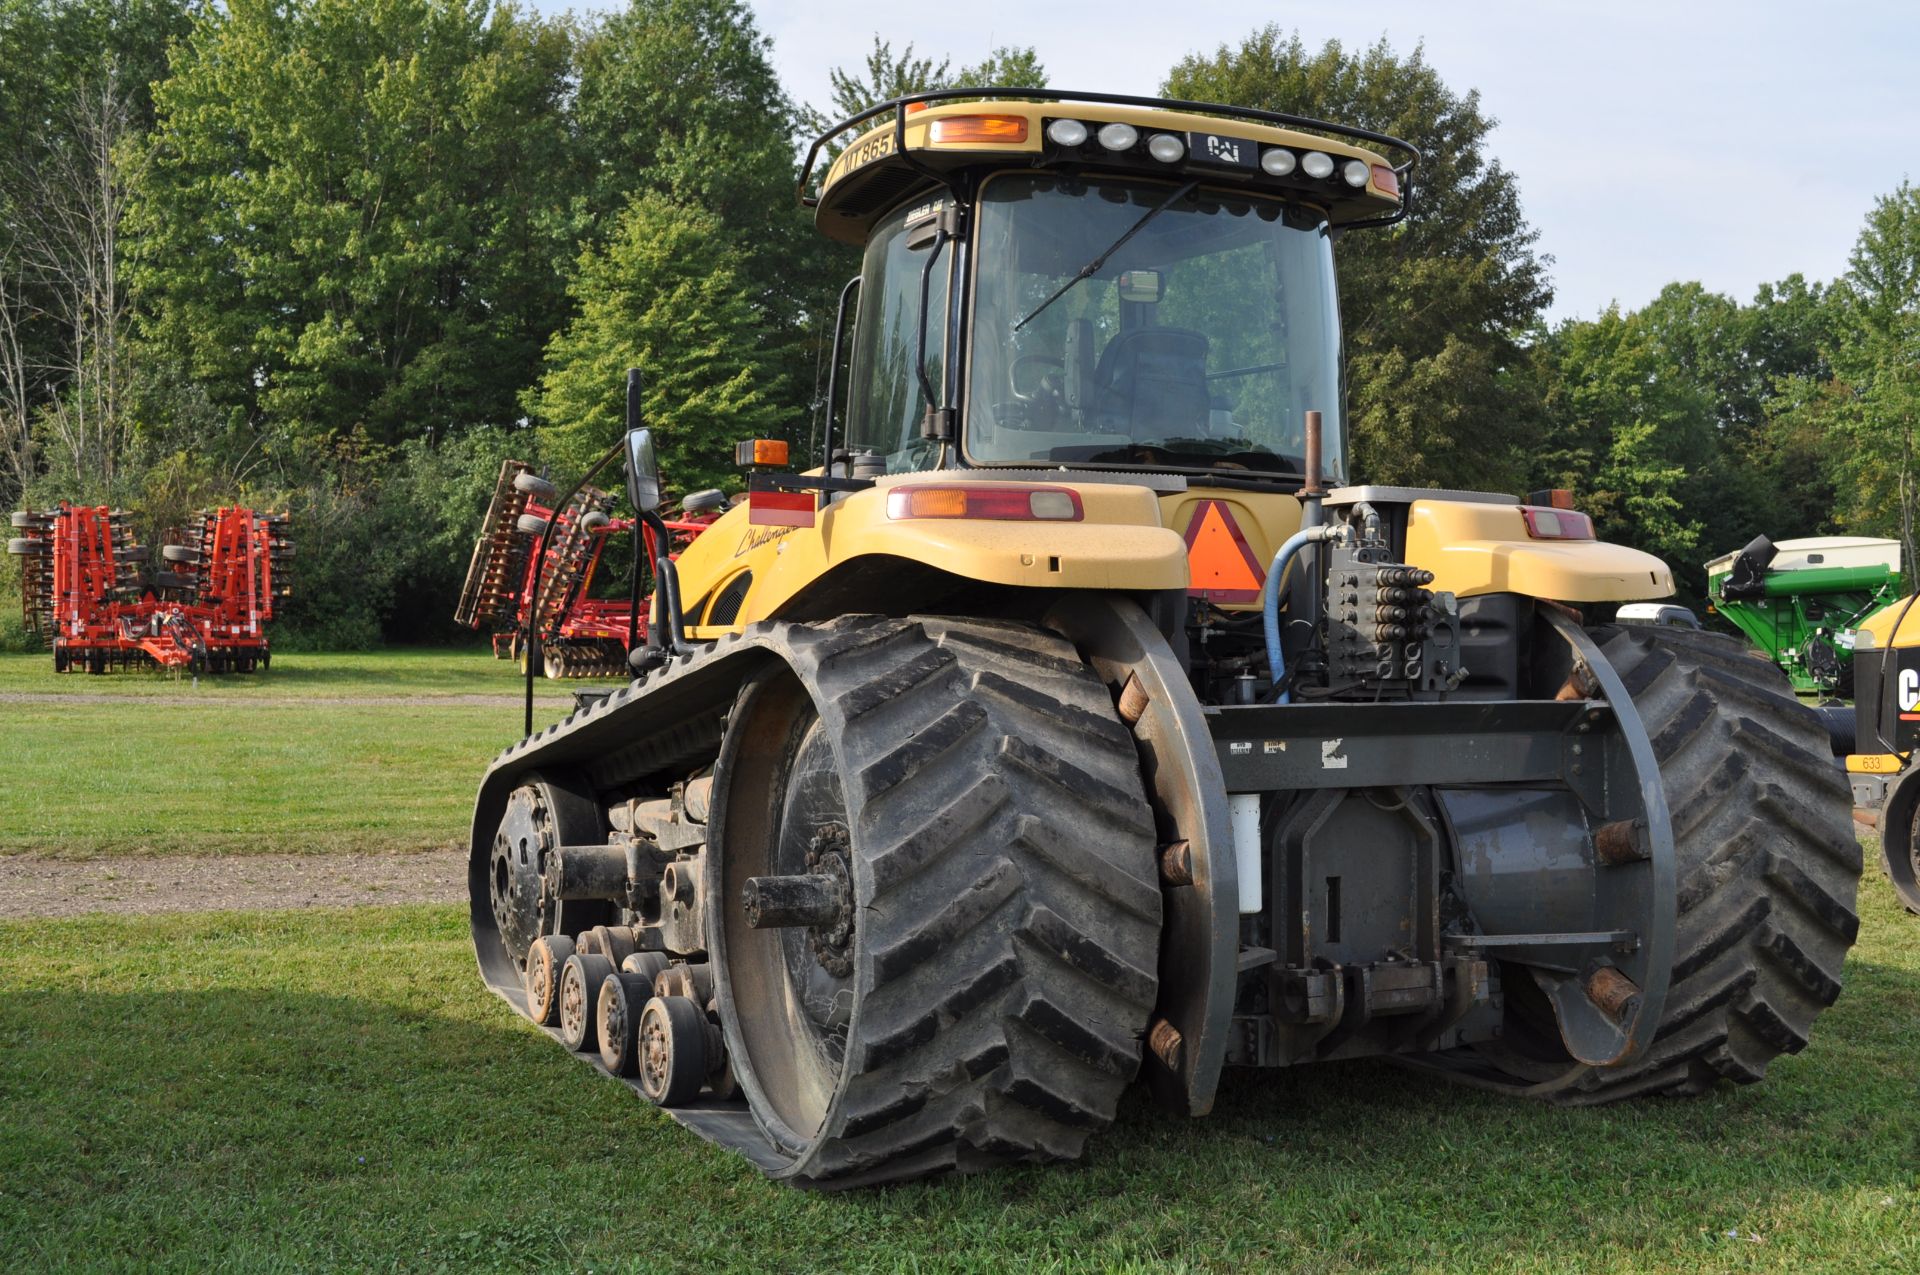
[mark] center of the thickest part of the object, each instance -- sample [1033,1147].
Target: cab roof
[950,137]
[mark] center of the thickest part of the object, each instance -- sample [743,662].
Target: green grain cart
[1800,600]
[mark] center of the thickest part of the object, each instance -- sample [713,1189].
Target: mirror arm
[920,337]
[833,375]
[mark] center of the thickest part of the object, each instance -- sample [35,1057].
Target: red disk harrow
[204,609]
[580,635]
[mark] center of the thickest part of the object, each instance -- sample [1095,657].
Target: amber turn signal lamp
[760,451]
[980,128]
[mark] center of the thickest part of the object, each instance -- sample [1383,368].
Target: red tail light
[1004,502]
[1544,523]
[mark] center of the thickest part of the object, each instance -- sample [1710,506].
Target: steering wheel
[1028,360]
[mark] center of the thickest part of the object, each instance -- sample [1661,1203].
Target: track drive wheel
[507,906]
[935,922]
[1766,863]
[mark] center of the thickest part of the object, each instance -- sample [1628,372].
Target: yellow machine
[1075,719]
[1886,671]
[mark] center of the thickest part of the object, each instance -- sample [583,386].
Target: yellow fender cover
[1118,544]
[1476,548]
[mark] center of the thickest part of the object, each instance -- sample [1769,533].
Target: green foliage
[1434,307]
[678,100]
[1872,408]
[886,75]
[667,294]
[1624,432]
[349,214]
[383,538]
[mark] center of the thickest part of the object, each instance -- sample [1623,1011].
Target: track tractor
[1886,783]
[535,588]
[85,590]
[1075,720]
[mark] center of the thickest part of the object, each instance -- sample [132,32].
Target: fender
[1117,545]
[1474,548]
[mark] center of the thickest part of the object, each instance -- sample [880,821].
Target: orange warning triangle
[1220,566]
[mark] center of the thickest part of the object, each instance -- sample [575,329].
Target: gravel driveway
[35,887]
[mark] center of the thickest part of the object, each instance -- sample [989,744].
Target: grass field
[334,1089]
[322,753]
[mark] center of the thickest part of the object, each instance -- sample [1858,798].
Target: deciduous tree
[1434,307]
[351,215]
[667,293]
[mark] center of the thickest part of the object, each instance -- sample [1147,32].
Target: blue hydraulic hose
[1270,601]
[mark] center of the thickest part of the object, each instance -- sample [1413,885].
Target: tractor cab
[1091,284]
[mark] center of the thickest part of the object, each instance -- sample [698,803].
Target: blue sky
[1729,143]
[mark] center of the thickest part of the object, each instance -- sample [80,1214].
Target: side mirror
[643,470]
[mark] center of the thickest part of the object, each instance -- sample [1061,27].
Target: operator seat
[1152,383]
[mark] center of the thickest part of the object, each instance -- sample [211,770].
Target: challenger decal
[754,537]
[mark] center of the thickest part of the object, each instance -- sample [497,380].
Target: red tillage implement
[580,635]
[206,610]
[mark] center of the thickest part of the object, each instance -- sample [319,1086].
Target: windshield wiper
[1093,267]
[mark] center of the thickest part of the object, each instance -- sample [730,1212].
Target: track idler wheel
[672,1050]
[581,981]
[545,961]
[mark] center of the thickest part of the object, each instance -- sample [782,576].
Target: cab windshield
[1200,342]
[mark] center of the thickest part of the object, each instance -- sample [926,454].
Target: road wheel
[581,981]
[672,1050]
[1766,865]
[958,913]
[622,997]
[545,960]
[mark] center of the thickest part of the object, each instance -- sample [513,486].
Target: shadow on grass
[411,1120]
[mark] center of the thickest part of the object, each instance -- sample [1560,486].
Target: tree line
[342,256]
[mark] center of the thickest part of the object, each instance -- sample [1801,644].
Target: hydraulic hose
[1270,598]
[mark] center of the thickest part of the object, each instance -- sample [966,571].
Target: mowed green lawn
[366,752]
[334,1089]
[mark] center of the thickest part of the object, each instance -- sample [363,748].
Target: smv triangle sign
[1220,566]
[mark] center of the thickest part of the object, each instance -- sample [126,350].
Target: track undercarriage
[876,898]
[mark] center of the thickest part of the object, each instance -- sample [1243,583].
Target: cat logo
[1909,689]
